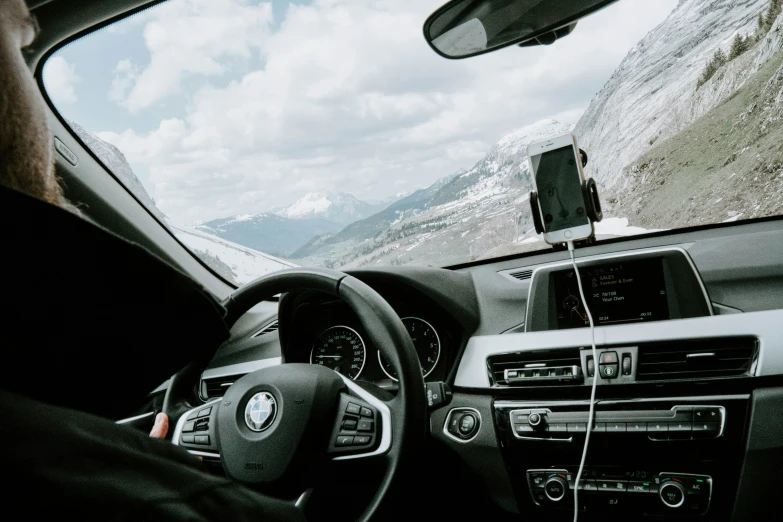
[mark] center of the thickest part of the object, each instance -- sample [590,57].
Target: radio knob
[672,494]
[555,489]
[534,419]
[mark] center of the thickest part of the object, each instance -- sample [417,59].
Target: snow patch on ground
[619,227]
[246,263]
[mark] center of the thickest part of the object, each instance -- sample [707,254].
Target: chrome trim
[602,257]
[303,498]
[542,404]
[181,423]
[437,360]
[763,326]
[676,485]
[240,368]
[448,418]
[137,417]
[204,454]
[383,409]
[364,347]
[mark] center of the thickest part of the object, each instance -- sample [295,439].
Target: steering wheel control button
[344,440]
[353,409]
[188,439]
[365,425]
[366,412]
[188,427]
[555,488]
[361,440]
[672,494]
[205,412]
[260,411]
[201,439]
[349,424]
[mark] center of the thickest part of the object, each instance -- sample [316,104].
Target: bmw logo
[260,411]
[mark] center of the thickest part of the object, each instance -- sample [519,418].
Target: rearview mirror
[464,28]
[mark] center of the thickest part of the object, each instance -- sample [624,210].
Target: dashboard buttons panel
[677,423]
[463,424]
[609,489]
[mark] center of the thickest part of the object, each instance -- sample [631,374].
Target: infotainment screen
[621,293]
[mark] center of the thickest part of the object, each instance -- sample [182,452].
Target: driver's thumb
[161,427]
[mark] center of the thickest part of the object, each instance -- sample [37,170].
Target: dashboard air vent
[536,368]
[701,359]
[522,274]
[216,387]
[270,328]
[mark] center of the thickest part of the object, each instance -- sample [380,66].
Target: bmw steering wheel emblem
[260,411]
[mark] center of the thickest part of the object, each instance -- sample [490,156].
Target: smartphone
[558,180]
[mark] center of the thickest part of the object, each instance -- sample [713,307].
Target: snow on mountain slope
[333,206]
[652,94]
[239,264]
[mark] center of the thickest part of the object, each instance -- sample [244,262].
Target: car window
[267,135]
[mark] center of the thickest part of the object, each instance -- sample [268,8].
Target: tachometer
[341,349]
[425,340]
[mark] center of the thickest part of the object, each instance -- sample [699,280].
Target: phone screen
[559,189]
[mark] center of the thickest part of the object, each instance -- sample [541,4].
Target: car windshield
[267,135]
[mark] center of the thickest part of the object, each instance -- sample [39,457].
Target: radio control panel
[678,423]
[610,489]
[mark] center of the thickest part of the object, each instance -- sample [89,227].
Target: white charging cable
[595,382]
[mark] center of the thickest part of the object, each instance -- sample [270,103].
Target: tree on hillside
[716,62]
[773,10]
[738,46]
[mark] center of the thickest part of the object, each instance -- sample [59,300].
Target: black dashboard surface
[738,264]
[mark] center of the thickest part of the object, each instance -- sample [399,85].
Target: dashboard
[690,370]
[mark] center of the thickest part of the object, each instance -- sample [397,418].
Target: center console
[648,458]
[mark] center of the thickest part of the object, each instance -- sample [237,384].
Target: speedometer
[425,340]
[341,349]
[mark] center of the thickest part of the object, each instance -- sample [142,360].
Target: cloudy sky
[227,107]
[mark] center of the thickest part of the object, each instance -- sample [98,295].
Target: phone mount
[592,205]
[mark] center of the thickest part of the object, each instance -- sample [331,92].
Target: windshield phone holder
[591,199]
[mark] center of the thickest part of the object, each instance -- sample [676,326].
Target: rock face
[652,95]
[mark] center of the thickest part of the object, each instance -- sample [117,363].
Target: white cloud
[351,98]
[190,37]
[59,78]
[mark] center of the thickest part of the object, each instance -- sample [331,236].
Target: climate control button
[555,489]
[672,494]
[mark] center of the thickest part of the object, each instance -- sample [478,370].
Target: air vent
[536,368]
[702,359]
[270,328]
[522,274]
[216,387]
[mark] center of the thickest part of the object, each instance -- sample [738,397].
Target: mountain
[652,95]
[269,232]
[459,217]
[728,164]
[338,207]
[235,263]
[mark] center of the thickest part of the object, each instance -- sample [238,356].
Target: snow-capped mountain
[233,262]
[462,216]
[269,232]
[339,207]
[652,95]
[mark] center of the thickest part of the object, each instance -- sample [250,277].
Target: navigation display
[622,293]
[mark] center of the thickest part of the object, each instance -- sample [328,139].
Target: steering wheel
[273,424]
